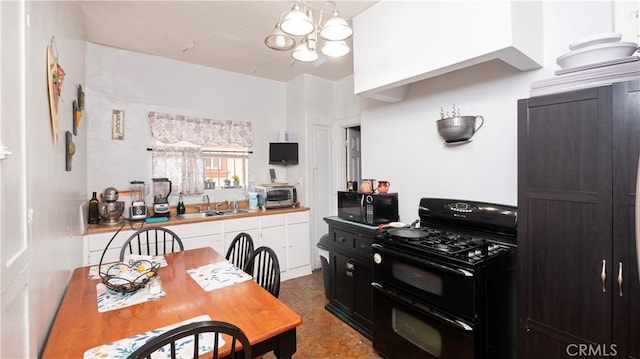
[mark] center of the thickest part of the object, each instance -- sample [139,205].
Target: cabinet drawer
[197,229]
[342,240]
[273,220]
[298,217]
[363,245]
[97,242]
[241,224]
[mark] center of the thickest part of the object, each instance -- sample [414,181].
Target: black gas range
[462,232]
[444,287]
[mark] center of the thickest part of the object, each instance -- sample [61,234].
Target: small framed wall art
[117,125]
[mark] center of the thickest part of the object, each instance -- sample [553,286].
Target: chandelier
[299,22]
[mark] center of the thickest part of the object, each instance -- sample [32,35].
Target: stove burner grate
[468,248]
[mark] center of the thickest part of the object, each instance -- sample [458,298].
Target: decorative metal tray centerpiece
[128,277]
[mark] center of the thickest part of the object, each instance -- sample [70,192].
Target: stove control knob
[377,258]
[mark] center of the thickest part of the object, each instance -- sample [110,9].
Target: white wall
[54,195]
[401,143]
[138,83]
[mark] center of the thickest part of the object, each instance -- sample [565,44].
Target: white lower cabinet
[232,227]
[203,234]
[298,242]
[287,234]
[273,235]
[94,246]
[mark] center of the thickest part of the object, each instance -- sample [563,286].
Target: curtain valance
[174,128]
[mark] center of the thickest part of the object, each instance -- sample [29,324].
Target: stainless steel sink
[231,211]
[198,215]
[207,214]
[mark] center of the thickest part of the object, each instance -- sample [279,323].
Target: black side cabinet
[579,293]
[350,254]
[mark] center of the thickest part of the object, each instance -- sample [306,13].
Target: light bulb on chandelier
[300,22]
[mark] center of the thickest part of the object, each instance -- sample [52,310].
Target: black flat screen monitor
[283,153]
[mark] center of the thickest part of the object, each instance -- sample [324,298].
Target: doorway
[353,154]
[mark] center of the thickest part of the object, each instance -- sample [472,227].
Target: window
[220,165]
[192,169]
[199,153]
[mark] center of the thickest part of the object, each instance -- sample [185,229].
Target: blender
[138,209]
[161,191]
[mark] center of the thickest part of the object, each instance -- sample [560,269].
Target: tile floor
[321,334]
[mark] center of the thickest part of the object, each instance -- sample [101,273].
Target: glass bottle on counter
[180,209]
[93,209]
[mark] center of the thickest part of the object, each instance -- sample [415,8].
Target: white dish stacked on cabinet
[596,60]
[596,49]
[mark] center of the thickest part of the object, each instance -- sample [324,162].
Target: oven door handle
[456,271]
[426,309]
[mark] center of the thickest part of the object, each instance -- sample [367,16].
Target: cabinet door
[298,246]
[273,235]
[626,322]
[565,222]
[363,306]
[342,270]
[276,239]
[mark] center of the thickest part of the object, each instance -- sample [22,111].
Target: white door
[14,250]
[323,174]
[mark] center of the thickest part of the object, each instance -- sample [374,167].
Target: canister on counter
[352,186]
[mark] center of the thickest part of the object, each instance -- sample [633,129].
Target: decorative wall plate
[55,77]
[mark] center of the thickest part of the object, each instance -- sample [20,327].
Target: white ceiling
[227,35]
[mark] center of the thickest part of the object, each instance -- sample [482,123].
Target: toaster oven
[278,196]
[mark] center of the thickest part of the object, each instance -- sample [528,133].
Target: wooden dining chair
[152,241]
[169,342]
[264,267]
[240,250]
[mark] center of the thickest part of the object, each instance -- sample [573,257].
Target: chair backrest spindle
[146,242]
[264,267]
[240,250]
[195,330]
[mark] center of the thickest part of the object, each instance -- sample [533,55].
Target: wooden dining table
[267,322]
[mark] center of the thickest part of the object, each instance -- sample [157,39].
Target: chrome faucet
[206,198]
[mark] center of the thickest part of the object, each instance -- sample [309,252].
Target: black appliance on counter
[368,208]
[446,289]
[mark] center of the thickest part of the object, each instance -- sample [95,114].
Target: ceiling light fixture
[299,23]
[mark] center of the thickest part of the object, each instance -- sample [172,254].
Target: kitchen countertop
[173,220]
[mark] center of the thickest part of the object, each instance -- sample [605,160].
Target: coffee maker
[138,209]
[161,191]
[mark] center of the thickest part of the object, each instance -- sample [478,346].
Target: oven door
[443,285]
[404,328]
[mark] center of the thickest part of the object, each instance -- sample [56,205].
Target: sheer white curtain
[182,165]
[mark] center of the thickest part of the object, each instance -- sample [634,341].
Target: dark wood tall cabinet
[579,292]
